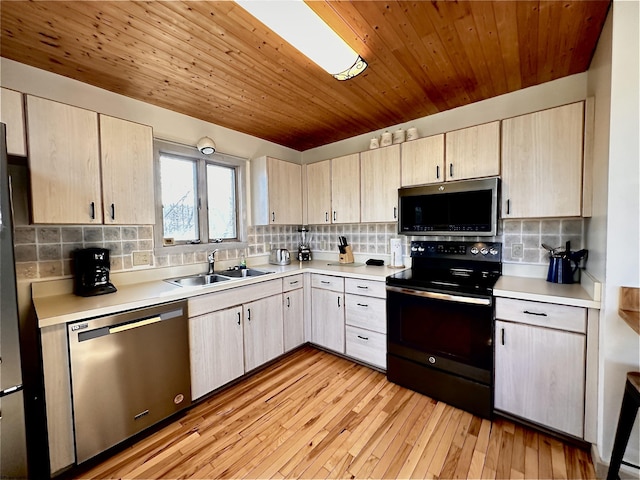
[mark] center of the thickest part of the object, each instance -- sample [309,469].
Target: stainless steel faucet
[211,258]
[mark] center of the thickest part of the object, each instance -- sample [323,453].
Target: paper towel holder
[397,260]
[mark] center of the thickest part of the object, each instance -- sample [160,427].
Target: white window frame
[189,152]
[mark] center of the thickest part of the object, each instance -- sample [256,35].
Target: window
[200,196]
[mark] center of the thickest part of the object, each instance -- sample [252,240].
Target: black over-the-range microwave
[466,207]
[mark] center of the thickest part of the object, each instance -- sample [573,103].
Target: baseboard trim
[627,471]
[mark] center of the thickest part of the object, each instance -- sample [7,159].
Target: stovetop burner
[470,268]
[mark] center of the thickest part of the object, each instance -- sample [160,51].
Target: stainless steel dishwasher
[128,371]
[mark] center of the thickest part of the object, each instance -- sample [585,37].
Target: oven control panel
[482,251]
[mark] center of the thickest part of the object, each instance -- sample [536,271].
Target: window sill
[199,247]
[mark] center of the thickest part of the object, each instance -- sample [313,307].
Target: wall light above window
[294,21]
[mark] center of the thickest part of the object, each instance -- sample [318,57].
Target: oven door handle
[441,296]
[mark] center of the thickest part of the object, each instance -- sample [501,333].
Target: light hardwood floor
[314,415]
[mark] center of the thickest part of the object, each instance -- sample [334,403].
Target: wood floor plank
[316,415]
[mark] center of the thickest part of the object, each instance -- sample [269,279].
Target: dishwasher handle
[130,326]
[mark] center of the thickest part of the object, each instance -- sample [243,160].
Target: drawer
[366,312]
[327,282]
[367,346]
[552,315]
[211,302]
[365,287]
[291,283]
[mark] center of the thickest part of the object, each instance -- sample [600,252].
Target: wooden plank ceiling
[213,61]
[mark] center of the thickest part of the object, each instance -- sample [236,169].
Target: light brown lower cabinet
[540,365]
[293,318]
[263,331]
[215,341]
[327,312]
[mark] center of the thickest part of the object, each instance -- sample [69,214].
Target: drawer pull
[363,338]
[537,314]
[293,283]
[362,305]
[325,282]
[363,287]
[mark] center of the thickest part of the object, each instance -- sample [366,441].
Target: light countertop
[58,308]
[54,306]
[539,290]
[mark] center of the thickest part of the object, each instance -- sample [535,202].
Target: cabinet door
[215,344]
[379,183]
[293,315]
[285,192]
[542,163]
[423,161]
[539,375]
[345,191]
[263,331]
[64,163]
[12,114]
[473,152]
[327,319]
[126,150]
[319,192]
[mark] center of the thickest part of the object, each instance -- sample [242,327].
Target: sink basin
[198,280]
[243,272]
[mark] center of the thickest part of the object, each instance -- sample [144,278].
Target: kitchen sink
[209,279]
[242,272]
[198,280]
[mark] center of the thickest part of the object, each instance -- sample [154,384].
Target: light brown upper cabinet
[64,163]
[473,152]
[276,192]
[127,172]
[345,190]
[319,192]
[423,161]
[74,152]
[12,115]
[542,163]
[379,183]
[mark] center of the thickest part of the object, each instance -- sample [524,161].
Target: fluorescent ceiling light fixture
[294,21]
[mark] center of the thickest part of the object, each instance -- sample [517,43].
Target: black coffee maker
[92,267]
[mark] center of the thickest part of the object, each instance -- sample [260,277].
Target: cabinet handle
[113,211]
[92,210]
[288,302]
[334,216]
[239,317]
[508,206]
[537,314]
[325,282]
[395,212]
[362,287]
[502,336]
[326,217]
[451,170]
[273,216]
[362,305]
[363,338]
[437,171]
[293,283]
[249,314]
[338,301]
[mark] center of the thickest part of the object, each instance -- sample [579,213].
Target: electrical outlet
[141,258]
[516,250]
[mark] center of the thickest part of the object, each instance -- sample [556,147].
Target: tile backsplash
[45,251]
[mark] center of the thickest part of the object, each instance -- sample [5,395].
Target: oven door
[445,331]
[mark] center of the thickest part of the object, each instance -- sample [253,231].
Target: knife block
[347,256]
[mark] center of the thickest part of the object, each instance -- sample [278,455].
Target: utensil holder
[347,256]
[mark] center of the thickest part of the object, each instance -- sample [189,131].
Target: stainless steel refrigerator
[13,448]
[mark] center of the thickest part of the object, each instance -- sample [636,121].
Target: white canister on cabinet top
[398,136]
[386,139]
[412,134]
